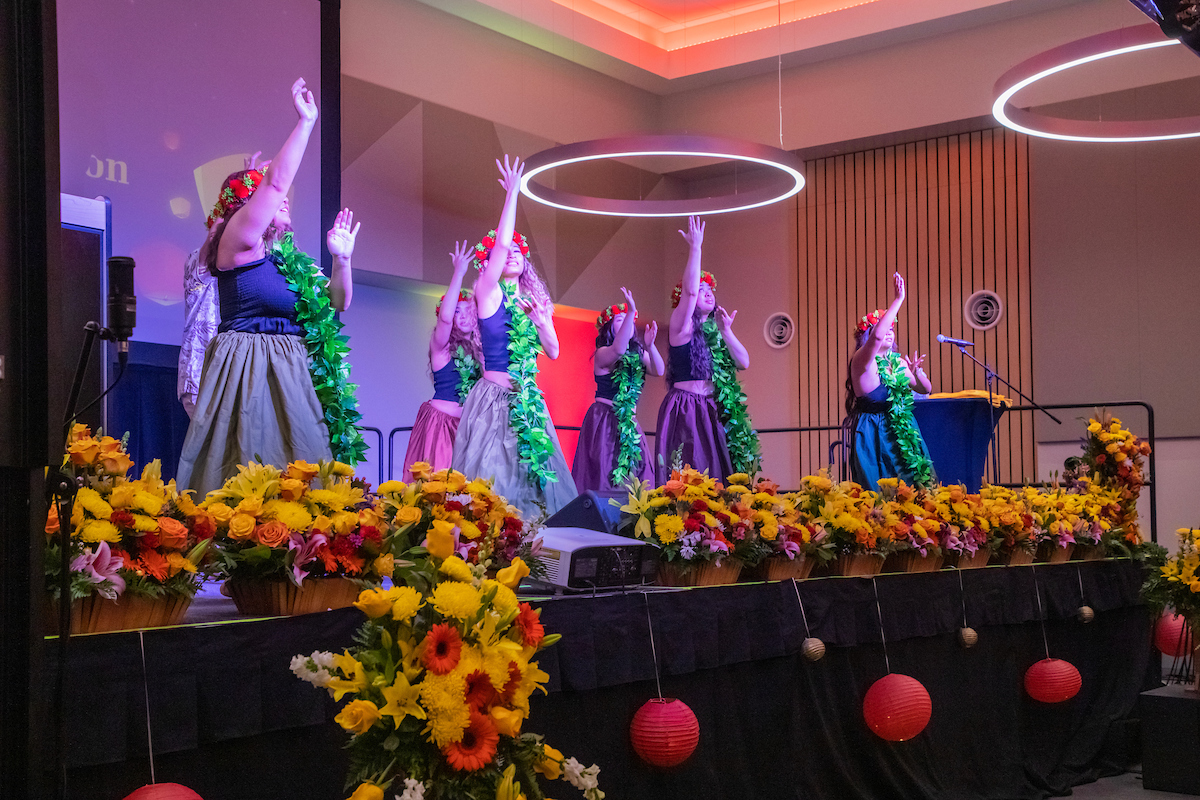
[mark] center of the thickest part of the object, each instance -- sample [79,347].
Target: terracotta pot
[912,561]
[858,564]
[1050,553]
[706,573]
[263,598]
[782,568]
[968,561]
[128,612]
[1089,552]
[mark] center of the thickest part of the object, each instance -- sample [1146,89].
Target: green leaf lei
[629,374]
[901,422]
[468,370]
[527,406]
[327,350]
[744,450]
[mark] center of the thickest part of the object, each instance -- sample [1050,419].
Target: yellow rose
[373,602]
[551,763]
[116,463]
[456,482]
[440,539]
[250,505]
[367,791]
[344,522]
[511,575]
[433,487]
[508,722]
[241,526]
[420,470]
[221,513]
[84,452]
[358,716]
[384,565]
[408,515]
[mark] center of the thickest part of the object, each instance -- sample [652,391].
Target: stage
[228,719]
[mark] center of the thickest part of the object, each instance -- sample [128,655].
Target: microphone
[122,303]
[956,342]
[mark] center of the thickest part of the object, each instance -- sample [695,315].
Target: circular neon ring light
[1074,54]
[630,146]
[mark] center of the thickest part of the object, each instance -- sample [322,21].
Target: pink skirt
[432,440]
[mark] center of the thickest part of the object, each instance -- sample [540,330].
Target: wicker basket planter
[284,599]
[1016,557]
[1050,553]
[1088,552]
[968,561]
[912,561]
[782,568]
[858,564]
[706,573]
[96,614]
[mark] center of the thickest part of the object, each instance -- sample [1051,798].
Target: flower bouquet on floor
[438,686]
[296,541]
[486,529]
[843,509]
[134,553]
[916,535]
[1173,583]
[1012,524]
[1113,460]
[967,535]
[706,532]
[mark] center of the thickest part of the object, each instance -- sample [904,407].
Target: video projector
[581,553]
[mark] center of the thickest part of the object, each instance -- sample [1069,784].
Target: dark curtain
[145,405]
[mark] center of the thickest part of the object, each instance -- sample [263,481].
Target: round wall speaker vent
[983,310]
[779,330]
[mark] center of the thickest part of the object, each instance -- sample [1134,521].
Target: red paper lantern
[1172,636]
[1052,680]
[164,791]
[665,732]
[897,707]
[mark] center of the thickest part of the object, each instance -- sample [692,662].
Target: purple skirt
[432,440]
[690,423]
[596,453]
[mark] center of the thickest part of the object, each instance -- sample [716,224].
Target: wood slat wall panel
[951,214]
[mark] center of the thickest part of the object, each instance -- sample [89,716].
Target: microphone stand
[990,374]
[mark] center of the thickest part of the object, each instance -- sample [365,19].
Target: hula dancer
[885,440]
[275,383]
[505,433]
[703,418]
[456,360]
[612,447]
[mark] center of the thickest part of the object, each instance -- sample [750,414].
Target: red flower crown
[871,320]
[463,294]
[612,311]
[483,250]
[234,194]
[705,277]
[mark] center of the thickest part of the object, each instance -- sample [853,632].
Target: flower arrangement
[965,527]
[1010,520]
[1113,460]
[901,514]
[127,536]
[439,684]
[844,511]
[1175,581]
[485,529]
[274,525]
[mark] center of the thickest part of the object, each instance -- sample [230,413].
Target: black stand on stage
[989,374]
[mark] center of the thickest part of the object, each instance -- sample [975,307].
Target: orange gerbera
[478,745]
[442,649]
[154,564]
[530,625]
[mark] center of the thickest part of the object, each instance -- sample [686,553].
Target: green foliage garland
[468,370]
[744,450]
[527,406]
[629,374]
[327,350]
[901,422]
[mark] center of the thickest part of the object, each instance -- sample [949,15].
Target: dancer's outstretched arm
[340,242]
[917,379]
[681,317]
[652,360]
[736,348]
[542,314]
[487,286]
[607,356]
[439,340]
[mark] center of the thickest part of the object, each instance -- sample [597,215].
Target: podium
[958,432]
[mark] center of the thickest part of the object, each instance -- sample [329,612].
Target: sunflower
[478,745]
[442,649]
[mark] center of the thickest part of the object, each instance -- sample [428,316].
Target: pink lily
[306,552]
[101,567]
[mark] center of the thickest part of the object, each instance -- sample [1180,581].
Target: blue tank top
[255,298]
[875,402]
[446,382]
[606,387]
[681,363]
[493,333]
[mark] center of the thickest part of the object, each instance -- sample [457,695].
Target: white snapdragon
[314,668]
[413,790]
[583,778]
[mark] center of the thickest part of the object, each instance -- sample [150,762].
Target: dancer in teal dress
[885,441]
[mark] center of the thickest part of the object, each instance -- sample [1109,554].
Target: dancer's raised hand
[341,236]
[725,319]
[303,100]
[695,232]
[914,361]
[650,333]
[461,258]
[898,283]
[541,312]
[510,176]
[630,305]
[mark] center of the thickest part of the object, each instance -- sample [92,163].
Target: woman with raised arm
[456,360]
[885,441]
[505,433]
[262,395]
[703,419]
[612,447]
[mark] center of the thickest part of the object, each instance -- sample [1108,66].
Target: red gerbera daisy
[514,682]
[442,649]
[530,625]
[480,692]
[478,745]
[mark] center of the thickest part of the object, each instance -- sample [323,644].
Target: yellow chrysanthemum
[392,487]
[145,524]
[667,528]
[93,503]
[406,601]
[456,569]
[505,600]
[444,699]
[738,479]
[99,530]
[457,600]
[288,512]
[148,503]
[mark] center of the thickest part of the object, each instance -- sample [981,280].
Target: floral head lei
[234,194]
[705,277]
[483,250]
[611,312]
[463,294]
[871,320]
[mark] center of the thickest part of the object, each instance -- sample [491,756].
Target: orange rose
[674,488]
[272,534]
[84,452]
[172,533]
[292,488]
[79,431]
[241,526]
[302,471]
[52,519]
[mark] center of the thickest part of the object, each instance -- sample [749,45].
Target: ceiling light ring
[1074,54]
[661,145]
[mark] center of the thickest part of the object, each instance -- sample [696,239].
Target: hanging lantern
[813,648]
[897,707]
[1172,636]
[1086,614]
[664,732]
[1052,680]
[967,637]
[164,791]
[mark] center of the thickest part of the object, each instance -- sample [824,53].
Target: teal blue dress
[874,452]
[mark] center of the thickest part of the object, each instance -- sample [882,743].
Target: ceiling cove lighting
[1075,54]
[684,146]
